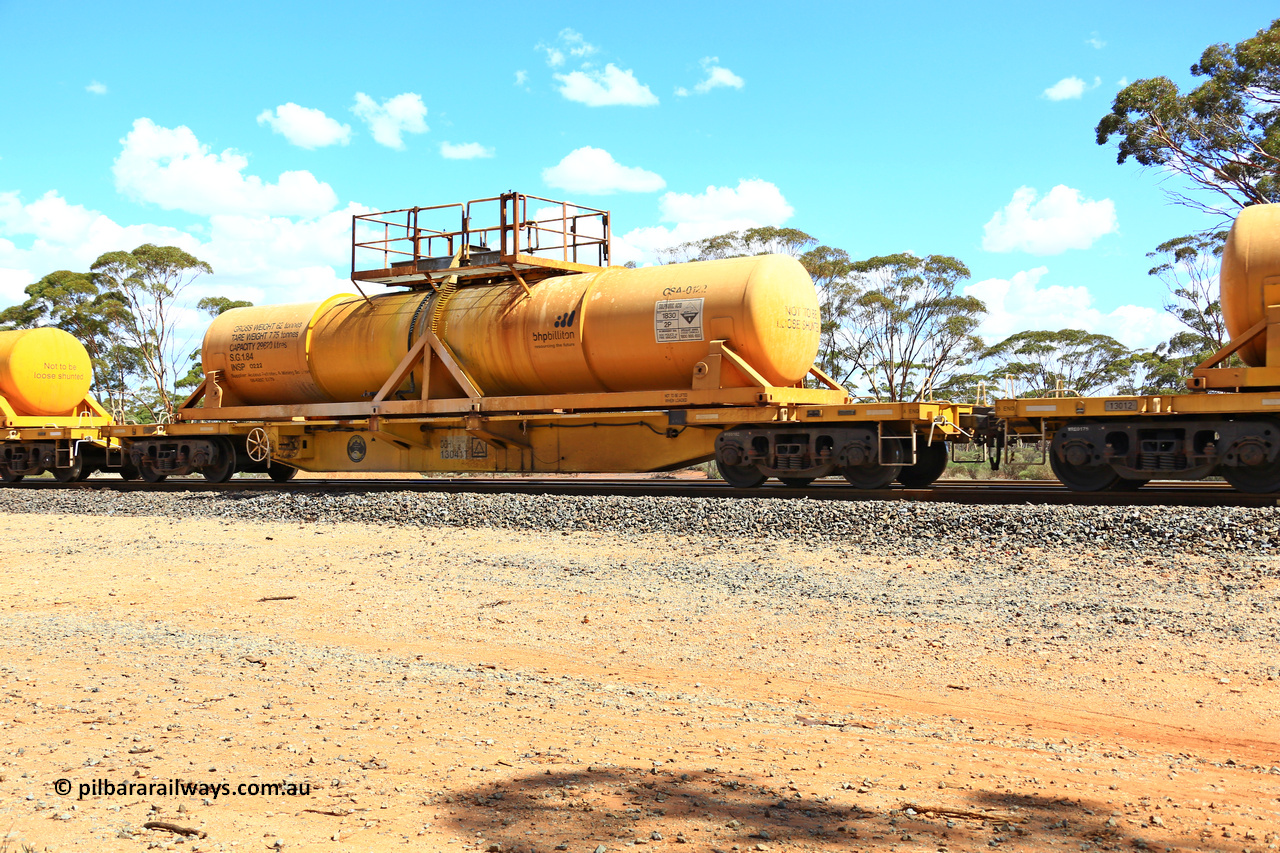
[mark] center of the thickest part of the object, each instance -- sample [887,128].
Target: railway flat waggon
[513,346]
[1227,425]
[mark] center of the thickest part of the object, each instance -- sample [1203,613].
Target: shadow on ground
[640,807]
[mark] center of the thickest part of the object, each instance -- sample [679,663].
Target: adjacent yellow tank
[1250,279]
[615,330]
[43,371]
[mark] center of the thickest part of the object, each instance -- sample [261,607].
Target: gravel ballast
[871,526]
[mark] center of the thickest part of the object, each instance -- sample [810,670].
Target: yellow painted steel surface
[263,351]
[1250,279]
[43,371]
[615,330]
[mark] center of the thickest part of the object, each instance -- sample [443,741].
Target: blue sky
[248,133]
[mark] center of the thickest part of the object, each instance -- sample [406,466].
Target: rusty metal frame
[537,246]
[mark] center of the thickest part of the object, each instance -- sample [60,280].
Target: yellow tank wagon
[507,352]
[50,421]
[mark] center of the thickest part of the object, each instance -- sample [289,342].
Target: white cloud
[1049,226]
[611,87]
[568,43]
[392,118]
[717,77]
[522,77]
[755,200]
[717,210]
[59,235]
[96,88]
[576,45]
[265,259]
[1122,82]
[306,127]
[464,151]
[1067,87]
[1095,42]
[595,172]
[1020,303]
[170,167]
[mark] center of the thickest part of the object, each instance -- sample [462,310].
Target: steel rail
[1046,492]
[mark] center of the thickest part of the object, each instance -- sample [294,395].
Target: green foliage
[1189,268]
[1077,361]
[832,271]
[73,302]
[736,244]
[909,329]
[151,280]
[1223,136]
[215,305]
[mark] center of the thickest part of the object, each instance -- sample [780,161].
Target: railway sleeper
[797,455]
[1093,456]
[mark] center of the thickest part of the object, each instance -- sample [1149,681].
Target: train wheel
[73,473]
[222,470]
[876,476]
[1254,479]
[796,482]
[1083,478]
[281,473]
[931,461]
[740,476]
[128,471]
[149,474]
[7,475]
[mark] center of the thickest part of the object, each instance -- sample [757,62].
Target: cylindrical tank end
[1250,278]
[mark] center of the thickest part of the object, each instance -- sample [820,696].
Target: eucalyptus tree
[1222,137]
[151,280]
[1041,362]
[909,327]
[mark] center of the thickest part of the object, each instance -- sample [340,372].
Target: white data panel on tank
[677,320]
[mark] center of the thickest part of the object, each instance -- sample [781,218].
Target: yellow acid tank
[614,330]
[1250,279]
[43,371]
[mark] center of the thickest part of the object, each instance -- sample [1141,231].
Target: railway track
[1046,492]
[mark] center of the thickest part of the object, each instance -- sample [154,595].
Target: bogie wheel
[128,472]
[796,482]
[931,461]
[225,467]
[150,474]
[880,475]
[1254,479]
[1083,478]
[73,473]
[280,472]
[740,476]
[7,475]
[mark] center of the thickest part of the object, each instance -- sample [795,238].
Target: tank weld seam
[413,327]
